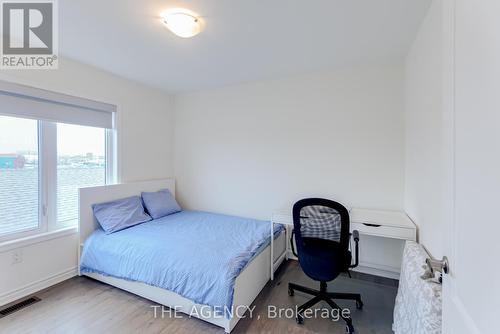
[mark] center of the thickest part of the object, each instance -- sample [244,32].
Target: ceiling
[243,40]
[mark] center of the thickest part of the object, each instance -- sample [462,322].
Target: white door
[471,292]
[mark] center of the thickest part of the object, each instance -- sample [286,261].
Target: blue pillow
[120,214]
[160,204]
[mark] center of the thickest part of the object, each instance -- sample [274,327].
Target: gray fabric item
[320,222]
[418,302]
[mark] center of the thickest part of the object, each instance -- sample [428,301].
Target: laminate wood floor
[82,305]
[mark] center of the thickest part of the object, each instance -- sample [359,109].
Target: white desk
[393,225]
[285,219]
[379,223]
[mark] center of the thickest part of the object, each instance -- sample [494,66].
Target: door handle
[441,266]
[372,225]
[432,265]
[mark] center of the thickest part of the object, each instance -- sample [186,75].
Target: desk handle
[372,225]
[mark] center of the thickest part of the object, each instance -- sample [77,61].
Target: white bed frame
[247,286]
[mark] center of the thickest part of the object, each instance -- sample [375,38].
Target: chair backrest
[318,218]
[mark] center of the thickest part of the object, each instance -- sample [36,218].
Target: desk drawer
[384,231]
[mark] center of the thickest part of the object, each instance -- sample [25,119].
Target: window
[19,181]
[80,163]
[48,149]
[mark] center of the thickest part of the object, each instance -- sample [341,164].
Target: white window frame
[111,155]
[47,180]
[47,159]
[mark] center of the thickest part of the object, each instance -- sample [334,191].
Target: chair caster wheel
[349,329]
[299,319]
[290,292]
[359,304]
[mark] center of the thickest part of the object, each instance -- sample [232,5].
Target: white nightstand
[392,226]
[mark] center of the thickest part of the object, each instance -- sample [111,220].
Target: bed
[205,265]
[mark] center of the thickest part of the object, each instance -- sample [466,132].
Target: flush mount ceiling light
[182,23]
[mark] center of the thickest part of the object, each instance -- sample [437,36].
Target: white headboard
[94,195]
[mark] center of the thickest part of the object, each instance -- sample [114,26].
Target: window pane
[18,175]
[80,163]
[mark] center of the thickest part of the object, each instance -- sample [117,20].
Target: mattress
[197,255]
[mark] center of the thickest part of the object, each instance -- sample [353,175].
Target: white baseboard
[370,268]
[377,270]
[36,286]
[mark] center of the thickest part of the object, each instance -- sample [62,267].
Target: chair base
[323,295]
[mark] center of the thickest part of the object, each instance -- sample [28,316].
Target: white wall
[253,148]
[424,164]
[145,127]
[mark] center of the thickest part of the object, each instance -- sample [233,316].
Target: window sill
[37,238]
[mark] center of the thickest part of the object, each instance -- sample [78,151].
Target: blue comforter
[195,254]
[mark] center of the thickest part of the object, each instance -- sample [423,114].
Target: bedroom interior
[219,166]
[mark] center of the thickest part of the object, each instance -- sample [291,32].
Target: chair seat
[323,260]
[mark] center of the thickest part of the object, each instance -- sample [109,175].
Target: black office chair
[321,229]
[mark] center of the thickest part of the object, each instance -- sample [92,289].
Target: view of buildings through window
[18,175]
[81,162]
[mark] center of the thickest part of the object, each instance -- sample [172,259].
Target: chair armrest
[355,235]
[291,244]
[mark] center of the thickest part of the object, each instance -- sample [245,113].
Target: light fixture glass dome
[182,24]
